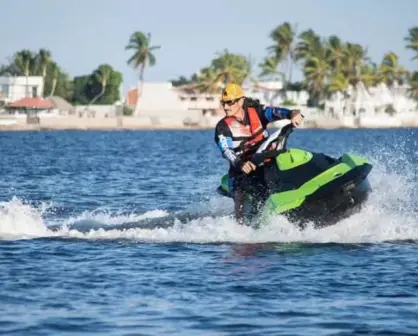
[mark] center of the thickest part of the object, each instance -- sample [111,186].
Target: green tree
[309,45]
[316,71]
[43,59]
[412,40]
[140,45]
[269,69]
[80,95]
[390,70]
[25,61]
[208,80]
[370,75]
[231,67]
[354,59]
[180,81]
[335,53]
[57,82]
[413,82]
[99,79]
[284,47]
[100,87]
[337,83]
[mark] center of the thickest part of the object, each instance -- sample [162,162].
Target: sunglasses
[229,102]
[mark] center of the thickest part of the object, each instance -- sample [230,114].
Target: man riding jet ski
[239,134]
[270,179]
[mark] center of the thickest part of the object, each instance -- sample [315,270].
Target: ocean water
[122,233]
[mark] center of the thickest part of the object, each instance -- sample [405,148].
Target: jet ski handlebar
[274,144]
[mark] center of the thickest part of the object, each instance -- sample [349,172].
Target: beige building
[161,101]
[164,96]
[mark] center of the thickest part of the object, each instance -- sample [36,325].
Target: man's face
[232,107]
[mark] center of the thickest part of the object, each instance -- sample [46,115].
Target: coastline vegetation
[328,64]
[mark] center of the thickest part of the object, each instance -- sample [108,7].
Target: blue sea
[123,233]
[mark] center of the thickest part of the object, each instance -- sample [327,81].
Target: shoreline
[149,123]
[29,128]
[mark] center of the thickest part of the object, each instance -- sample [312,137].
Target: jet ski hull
[312,187]
[327,205]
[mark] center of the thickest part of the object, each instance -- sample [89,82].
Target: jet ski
[304,186]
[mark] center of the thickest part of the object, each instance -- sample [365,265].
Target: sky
[83,34]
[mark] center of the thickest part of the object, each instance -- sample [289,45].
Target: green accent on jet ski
[290,159]
[293,158]
[287,200]
[224,183]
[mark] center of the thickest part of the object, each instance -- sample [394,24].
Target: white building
[162,103]
[164,96]
[15,88]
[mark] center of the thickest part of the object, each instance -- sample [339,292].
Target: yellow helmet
[231,92]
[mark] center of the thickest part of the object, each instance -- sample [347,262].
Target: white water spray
[389,214]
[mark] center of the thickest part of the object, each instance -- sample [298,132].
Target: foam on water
[389,214]
[21,220]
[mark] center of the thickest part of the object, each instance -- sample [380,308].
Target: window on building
[34,91]
[5,89]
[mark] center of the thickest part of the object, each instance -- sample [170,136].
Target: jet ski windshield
[274,145]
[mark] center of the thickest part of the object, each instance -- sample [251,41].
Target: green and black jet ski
[306,187]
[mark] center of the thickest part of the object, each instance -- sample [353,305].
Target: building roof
[37,103]
[60,103]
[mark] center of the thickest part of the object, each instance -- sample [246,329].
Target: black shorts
[249,183]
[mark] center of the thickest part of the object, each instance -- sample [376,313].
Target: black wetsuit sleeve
[223,139]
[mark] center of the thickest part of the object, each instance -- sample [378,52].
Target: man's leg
[261,185]
[239,204]
[239,197]
[255,186]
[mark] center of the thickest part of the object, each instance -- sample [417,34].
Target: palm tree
[102,75]
[413,82]
[11,69]
[269,69]
[208,80]
[43,60]
[312,52]
[316,71]
[310,44]
[142,56]
[25,61]
[54,68]
[337,82]
[284,47]
[390,70]
[412,40]
[354,59]
[335,52]
[231,67]
[369,75]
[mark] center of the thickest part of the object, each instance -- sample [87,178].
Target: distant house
[164,96]
[156,96]
[15,88]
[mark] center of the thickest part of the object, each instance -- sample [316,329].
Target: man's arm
[272,113]
[223,139]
